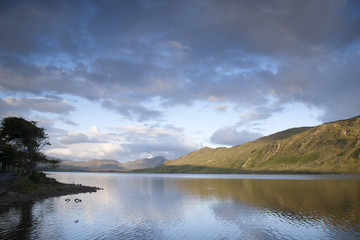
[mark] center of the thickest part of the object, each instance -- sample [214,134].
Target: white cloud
[59,152]
[122,143]
[94,130]
[88,151]
[148,131]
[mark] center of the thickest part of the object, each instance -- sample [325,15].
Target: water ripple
[170,207]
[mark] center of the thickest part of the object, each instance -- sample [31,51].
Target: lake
[191,206]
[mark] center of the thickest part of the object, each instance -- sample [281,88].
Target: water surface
[170,206]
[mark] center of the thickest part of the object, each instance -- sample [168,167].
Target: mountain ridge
[332,147]
[109,164]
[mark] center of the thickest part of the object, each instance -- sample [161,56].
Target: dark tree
[9,157]
[21,144]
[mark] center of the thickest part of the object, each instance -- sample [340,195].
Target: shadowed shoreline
[22,190]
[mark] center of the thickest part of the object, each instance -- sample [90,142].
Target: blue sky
[127,80]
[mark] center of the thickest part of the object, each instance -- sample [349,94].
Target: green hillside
[332,147]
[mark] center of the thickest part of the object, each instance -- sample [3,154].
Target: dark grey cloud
[279,27]
[39,27]
[230,136]
[183,51]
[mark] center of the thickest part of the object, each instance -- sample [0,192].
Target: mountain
[145,163]
[331,147]
[95,164]
[109,165]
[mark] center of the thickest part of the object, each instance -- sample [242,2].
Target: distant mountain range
[108,165]
[332,147]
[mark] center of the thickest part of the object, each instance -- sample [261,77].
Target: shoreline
[43,191]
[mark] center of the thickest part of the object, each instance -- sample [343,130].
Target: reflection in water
[150,206]
[336,200]
[17,222]
[330,204]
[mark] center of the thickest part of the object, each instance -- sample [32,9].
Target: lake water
[171,206]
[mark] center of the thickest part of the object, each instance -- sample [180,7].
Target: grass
[24,185]
[291,159]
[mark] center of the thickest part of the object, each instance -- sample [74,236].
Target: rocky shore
[23,190]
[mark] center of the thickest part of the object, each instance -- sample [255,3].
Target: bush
[40,177]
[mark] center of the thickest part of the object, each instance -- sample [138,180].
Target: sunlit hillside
[331,147]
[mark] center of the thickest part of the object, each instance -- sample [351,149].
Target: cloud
[169,142]
[43,27]
[40,104]
[255,115]
[87,151]
[200,54]
[328,84]
[68,122]
[230,136]
[121,143]
[74,138]
[132,111]
[59,152]
[25,76]
[139,59]
[262,112]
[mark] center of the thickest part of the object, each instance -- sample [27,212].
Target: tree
[21,144]
[9,157]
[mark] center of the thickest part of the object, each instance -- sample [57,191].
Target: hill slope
[331,147]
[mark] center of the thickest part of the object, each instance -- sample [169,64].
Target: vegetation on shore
[36,187]
[21,142]
[328,148]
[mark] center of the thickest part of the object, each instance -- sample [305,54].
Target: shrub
[40,177]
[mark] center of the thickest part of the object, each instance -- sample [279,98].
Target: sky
[133,79]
